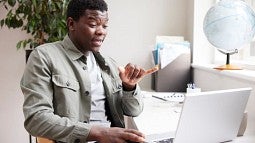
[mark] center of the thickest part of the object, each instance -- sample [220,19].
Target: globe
[229,25]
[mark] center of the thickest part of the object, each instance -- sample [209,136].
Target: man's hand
[131,75]
[114,135]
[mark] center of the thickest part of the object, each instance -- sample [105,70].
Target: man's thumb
[121,69]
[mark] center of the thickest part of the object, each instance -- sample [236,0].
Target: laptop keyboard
[170,140]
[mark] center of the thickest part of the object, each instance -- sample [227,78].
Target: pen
[191,85]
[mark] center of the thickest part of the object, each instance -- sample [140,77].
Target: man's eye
[105,26]
[92,25]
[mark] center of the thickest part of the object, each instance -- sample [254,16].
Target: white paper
[168,48]
[171,51]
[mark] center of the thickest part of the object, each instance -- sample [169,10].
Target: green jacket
[56,88]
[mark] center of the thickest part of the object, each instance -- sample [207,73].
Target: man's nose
[100,30]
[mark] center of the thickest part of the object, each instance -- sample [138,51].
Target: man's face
[89,32]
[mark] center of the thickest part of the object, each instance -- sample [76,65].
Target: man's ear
[70,24]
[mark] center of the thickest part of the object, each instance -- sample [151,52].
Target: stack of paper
[169,48]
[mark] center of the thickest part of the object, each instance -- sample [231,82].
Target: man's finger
[133,136]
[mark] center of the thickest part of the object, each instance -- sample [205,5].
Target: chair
[43,140]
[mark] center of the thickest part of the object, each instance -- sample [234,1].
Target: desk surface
[161,116]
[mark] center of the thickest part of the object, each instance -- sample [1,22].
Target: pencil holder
[193,90]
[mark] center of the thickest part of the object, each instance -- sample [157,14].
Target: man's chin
[95,49]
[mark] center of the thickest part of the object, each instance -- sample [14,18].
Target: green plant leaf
[36,17]
[2,22]
[12,2]
[34,3]
[18,46]
[19,22]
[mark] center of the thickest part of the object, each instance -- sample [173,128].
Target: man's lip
[97,42]
[98,39]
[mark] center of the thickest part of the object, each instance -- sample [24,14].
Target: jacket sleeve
[131,101]
[40,120]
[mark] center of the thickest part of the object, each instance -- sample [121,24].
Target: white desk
[159,116]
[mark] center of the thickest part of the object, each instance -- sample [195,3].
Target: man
[74,94]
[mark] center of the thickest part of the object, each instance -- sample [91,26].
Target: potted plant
[44,20]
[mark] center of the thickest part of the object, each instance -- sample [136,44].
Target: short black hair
[76,8]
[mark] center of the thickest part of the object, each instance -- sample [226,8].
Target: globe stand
[228,66]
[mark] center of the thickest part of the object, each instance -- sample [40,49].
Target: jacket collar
[71,50]
[101,61]
[75,54]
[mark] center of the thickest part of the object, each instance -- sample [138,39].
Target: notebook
[207,117]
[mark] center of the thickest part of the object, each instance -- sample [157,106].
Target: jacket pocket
[66,82]
[66,96]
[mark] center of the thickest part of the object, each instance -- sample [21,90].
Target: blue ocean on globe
[229,25]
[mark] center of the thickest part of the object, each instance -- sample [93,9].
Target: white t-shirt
[98,114]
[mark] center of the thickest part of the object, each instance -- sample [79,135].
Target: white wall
[134,25]
[203,51]
[132,30]
[12,64]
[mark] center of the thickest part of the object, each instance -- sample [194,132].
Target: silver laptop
[207,117]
